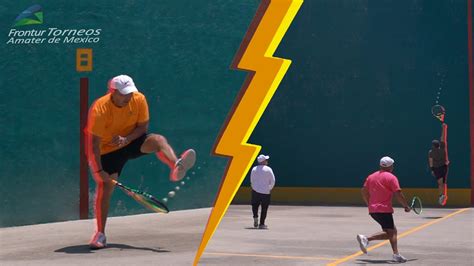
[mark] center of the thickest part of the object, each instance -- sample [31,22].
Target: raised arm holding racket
[117,132]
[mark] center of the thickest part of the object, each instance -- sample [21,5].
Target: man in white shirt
[262,180]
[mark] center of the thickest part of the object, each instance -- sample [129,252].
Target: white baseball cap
[262,158]
[123,83]
[386,161]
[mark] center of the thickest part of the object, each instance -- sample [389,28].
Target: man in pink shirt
[377,193]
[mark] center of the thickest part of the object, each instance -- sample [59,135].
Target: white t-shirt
[262,179]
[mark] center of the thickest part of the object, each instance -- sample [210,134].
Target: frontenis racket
[439,112]
[145,199]
[416,205]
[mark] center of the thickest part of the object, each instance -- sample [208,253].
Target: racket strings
[438,111]
[149,202]
[146,200]
[440,88]
[416,205]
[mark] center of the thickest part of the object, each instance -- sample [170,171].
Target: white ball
[171,194]
[176,188]
[182,183]
[165,199]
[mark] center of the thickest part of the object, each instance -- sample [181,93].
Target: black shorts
[114,162]
[384,219]
[441,172]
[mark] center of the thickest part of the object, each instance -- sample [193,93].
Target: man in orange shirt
[117,132]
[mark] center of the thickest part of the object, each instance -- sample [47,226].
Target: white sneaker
[399,258]
[187,160]
[363,243]
[255,222]
[98,241]
[441,199]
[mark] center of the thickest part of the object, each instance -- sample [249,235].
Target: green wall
[363,79]
[178,53]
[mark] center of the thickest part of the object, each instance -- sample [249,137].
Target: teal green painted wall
[363,79]
[178,53]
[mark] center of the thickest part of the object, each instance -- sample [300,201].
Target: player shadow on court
[367,261]
[84,249]
[255,228]
[432,217]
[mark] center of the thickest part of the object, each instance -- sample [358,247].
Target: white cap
[262,158]
[386,161]
[123,83]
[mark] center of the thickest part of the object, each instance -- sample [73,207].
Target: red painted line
[471,91]
[83,171]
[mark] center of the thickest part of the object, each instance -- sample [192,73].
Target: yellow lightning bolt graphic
[273,18]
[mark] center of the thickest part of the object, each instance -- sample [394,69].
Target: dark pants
[264,200]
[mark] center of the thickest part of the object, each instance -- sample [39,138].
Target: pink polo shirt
[381,186]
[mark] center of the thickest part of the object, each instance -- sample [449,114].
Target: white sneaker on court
[98,241]
[399,258]
[363,243]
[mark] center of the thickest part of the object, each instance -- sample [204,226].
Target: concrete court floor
[297,235]
[147,239]
[316,235]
